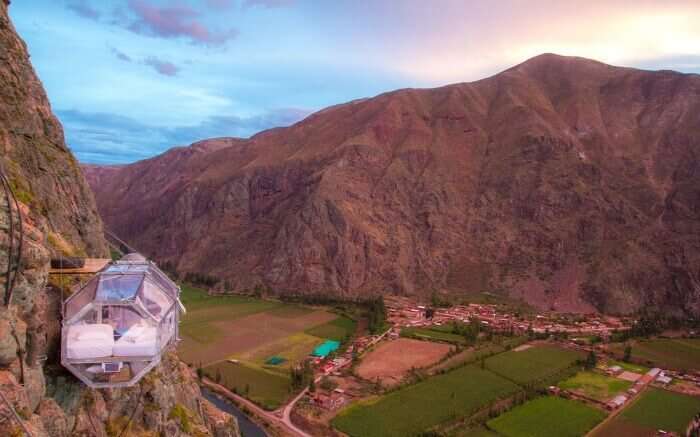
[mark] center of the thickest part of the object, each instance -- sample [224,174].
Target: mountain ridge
[564,181]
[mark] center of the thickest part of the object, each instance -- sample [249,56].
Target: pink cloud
[162,67]
[178,21]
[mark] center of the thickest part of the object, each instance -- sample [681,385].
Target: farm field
[256,333]
[433,334]
[413,409]
[216,328]
[392,360]
[474,432]
[337,329]
[679,354]
[595,385]
[662,409]
[267,390]
[549,416]
[533,364]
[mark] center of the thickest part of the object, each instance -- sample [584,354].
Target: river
[248,427]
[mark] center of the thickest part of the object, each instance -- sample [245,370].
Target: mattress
[138,341]
[89,341]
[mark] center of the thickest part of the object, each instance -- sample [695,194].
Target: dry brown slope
[563,180]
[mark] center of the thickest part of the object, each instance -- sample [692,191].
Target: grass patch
[413,409]
[473,432]
[432,334]
[290,311]
[663,409]
[338,329]
[292,348]
[269,390]
[630,367]
[679,354]
[548,416]
[532,365]
[595,385]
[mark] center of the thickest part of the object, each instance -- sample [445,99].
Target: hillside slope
[59,216]
[565,181]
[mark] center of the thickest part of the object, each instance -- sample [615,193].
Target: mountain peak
[520,184]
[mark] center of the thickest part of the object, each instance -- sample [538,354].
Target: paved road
[272,417]
[287,411]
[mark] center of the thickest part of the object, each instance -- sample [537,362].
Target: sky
[130,79]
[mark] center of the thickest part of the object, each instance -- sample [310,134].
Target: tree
[628,354]
[376,313]
[591,360]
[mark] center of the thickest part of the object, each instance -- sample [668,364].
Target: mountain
[564,181]
[59,216]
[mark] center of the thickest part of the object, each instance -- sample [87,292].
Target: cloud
[104,138]
[162,67]
[82,8]
[121,55]
[269,3]
[176,21]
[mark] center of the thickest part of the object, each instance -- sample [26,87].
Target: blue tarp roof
[325,348]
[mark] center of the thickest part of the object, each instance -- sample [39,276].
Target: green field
[433,334]
[413,409]
[662,409]
[532,365]
[268,390]
[680,354]
[203,310]
[473,432]
[631,367]
[252,331]
[595,385]
[338,329]
[548,417]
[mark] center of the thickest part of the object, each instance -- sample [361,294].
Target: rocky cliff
[564,181]
[59,216]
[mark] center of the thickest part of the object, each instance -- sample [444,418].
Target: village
[341,381]
[402,312]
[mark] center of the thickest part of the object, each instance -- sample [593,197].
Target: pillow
[94,331]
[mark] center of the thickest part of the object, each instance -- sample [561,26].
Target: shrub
[180,413]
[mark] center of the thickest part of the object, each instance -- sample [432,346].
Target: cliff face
[59,216]
[567,182]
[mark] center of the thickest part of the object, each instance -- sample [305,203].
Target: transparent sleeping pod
[117,326]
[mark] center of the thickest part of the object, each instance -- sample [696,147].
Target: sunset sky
[132,78]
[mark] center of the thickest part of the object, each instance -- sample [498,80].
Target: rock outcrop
[564,181]
[59,216]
